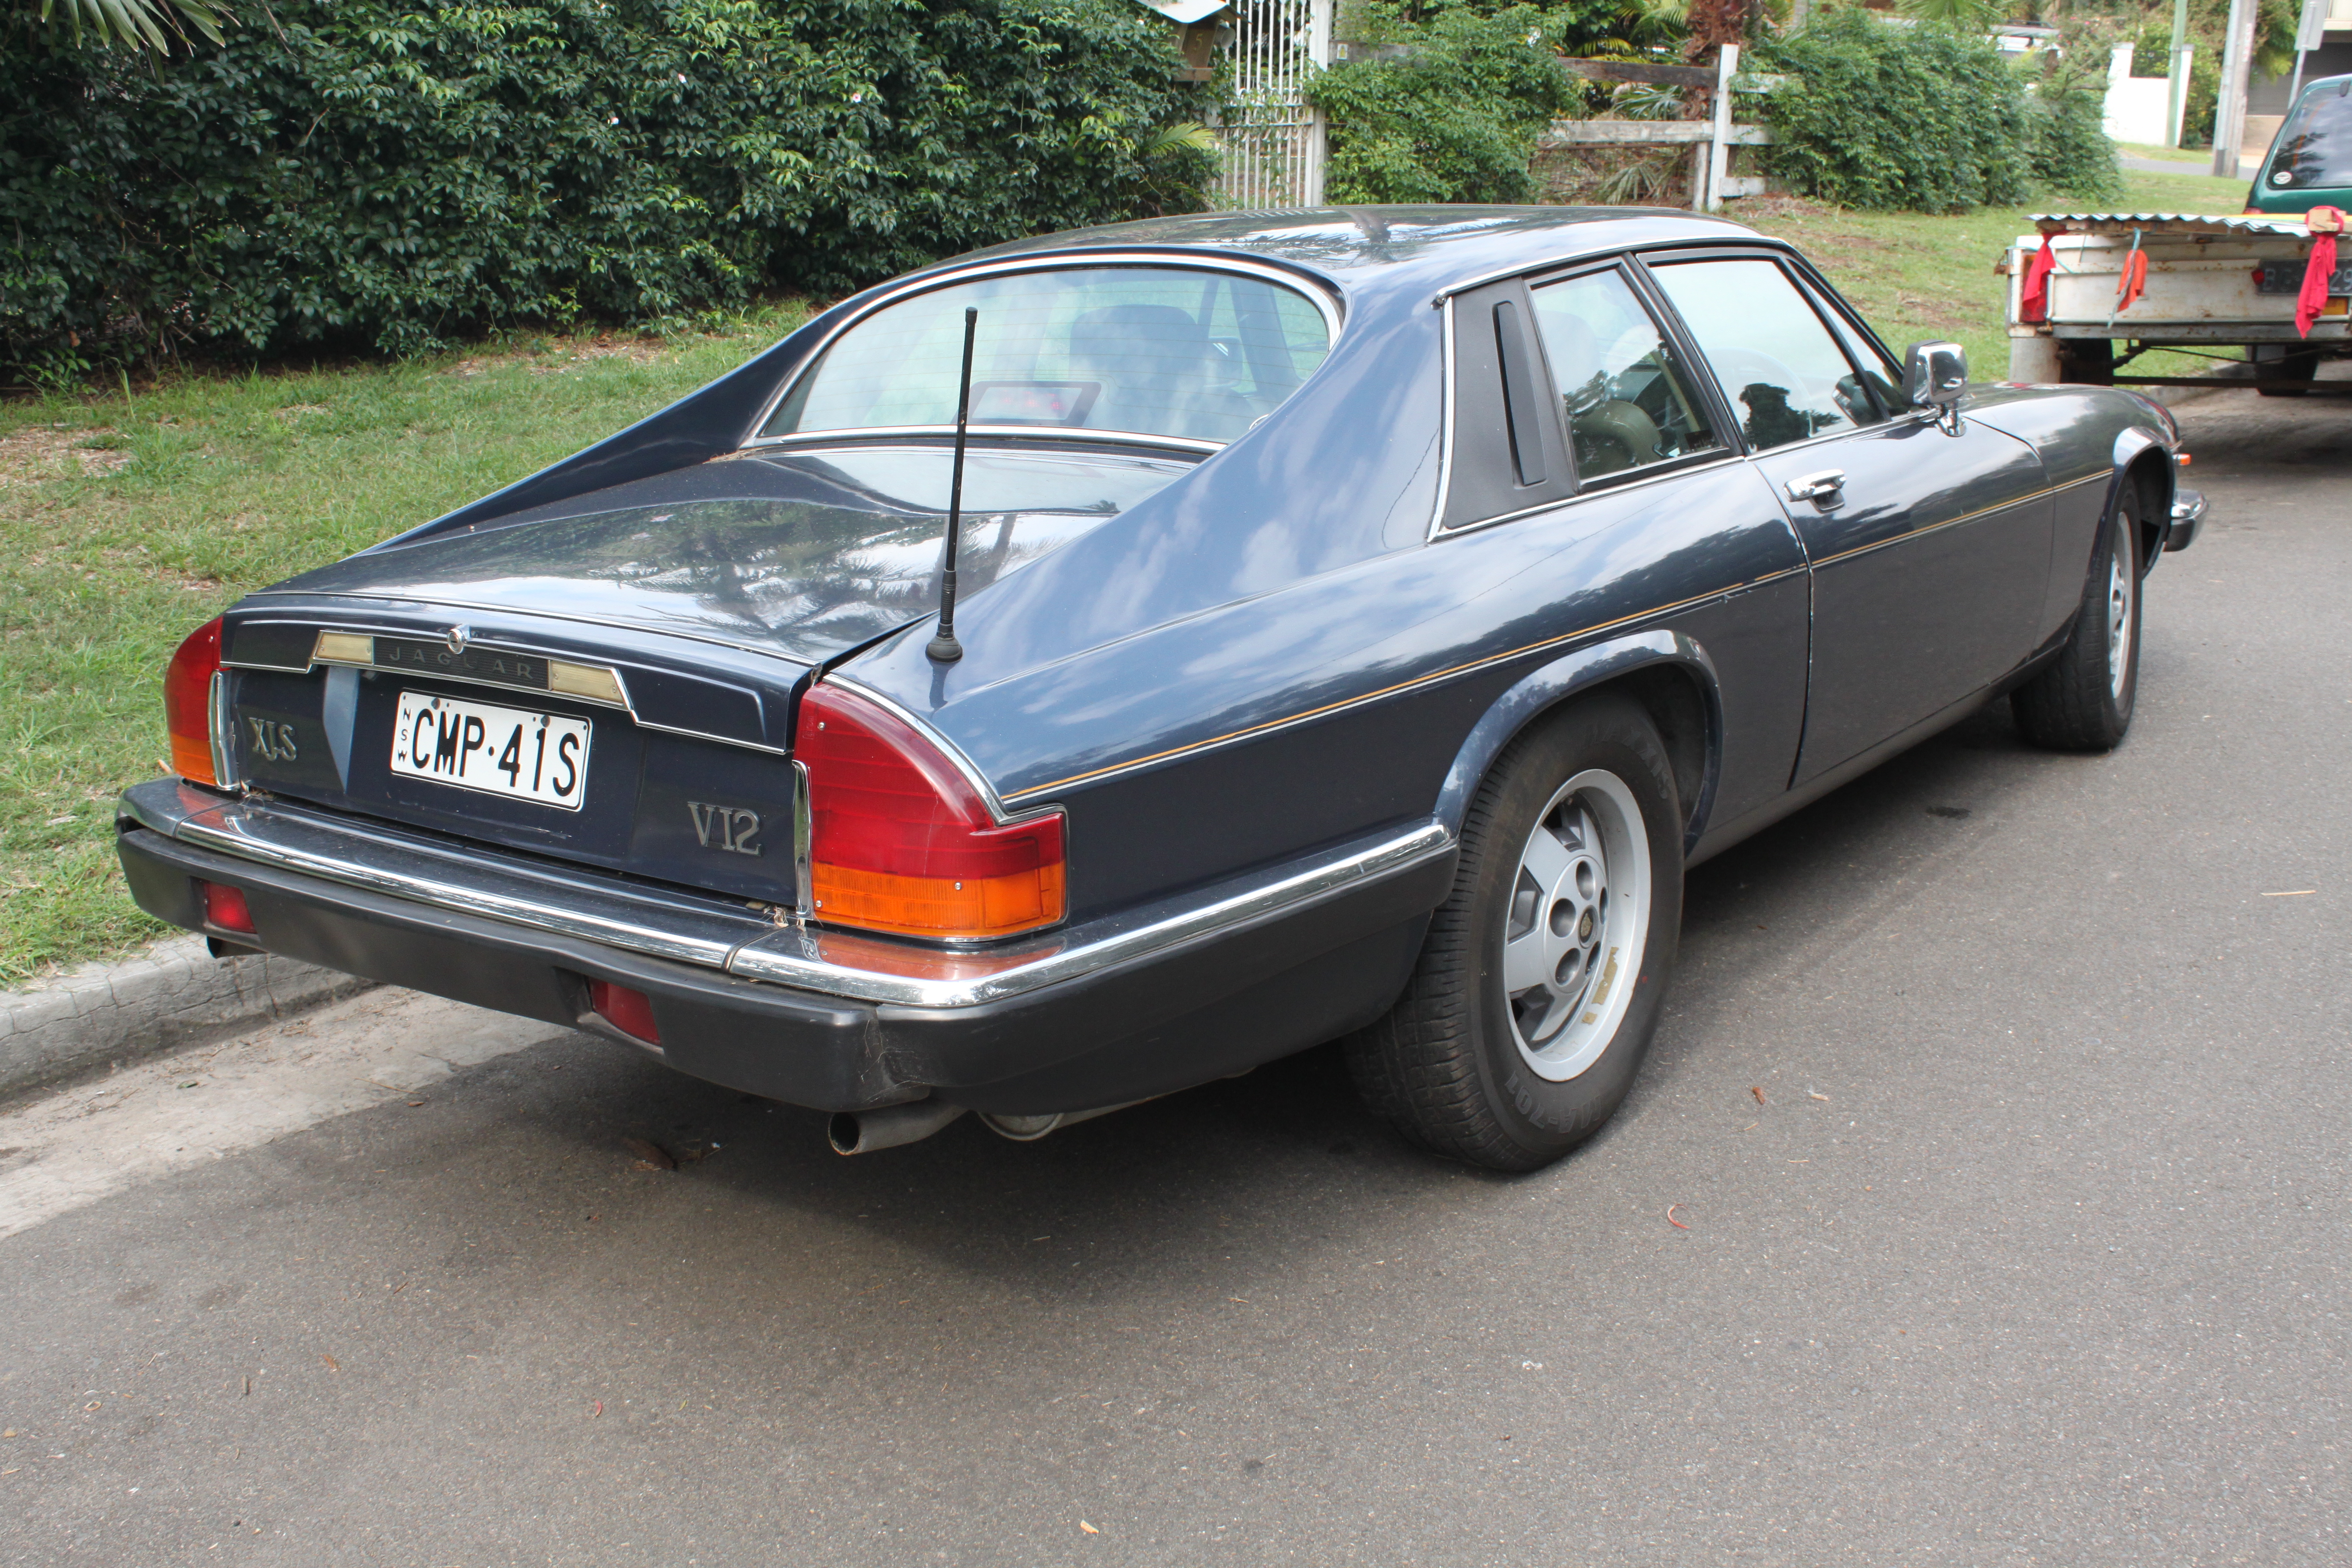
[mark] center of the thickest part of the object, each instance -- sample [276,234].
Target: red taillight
[631,1012]
[901,841]
[188,703]
[224,907]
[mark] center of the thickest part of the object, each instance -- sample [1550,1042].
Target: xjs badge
[272,742]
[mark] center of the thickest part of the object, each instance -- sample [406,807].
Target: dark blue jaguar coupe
[1105,663]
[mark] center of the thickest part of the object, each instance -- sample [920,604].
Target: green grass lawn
[129,519]
[2200,157]
[1916,277]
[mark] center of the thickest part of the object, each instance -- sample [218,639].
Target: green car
[2310,163]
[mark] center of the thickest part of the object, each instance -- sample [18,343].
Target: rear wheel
[2082,702]
[2090,362]
[2283,362]
[1538,986]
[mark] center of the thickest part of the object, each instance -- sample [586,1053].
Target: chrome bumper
[2188,516]
[726,935]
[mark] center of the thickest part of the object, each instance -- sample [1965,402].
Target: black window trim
[1729,443]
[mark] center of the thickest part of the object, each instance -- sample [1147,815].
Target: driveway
[2003,1097]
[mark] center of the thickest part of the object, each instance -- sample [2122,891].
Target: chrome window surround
[719,934]
[626,704]
[1323,300]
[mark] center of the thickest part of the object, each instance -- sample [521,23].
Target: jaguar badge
[458,636]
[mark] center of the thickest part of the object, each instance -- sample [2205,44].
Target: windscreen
[1155,351]
[2315,150]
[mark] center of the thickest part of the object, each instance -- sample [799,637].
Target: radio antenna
[944,647]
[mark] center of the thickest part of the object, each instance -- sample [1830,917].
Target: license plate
[512,752]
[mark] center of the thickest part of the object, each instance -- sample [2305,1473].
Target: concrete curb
[102,1015]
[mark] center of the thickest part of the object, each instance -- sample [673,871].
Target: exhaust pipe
[864,1131]
[1029,1128]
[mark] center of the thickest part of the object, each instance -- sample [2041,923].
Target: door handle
[1825,486]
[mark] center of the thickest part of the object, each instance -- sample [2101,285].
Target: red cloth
[2034,303]
[2323,224]
[2315,274]
[2134,282]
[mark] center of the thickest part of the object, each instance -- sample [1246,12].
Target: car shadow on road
[1179,1189]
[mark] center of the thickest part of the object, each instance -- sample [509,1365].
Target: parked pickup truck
[2119,284]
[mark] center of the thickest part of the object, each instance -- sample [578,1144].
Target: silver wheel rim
[1575,924]
[2121,582]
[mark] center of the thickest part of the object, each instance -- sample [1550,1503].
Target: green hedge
[350,173]
[1455,120]
[1921,117]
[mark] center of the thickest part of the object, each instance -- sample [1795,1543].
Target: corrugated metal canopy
[2162,223]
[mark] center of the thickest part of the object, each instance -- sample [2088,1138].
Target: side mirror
[1935,376]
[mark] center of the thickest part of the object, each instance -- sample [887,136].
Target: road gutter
[102,1015]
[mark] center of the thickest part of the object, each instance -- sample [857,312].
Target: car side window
[1782,373]
[1629,404]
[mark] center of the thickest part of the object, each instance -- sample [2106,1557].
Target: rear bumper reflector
[631,1012]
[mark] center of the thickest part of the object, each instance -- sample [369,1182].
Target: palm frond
[134,24]
[1184,134]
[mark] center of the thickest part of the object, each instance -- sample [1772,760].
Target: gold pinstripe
[1964,517]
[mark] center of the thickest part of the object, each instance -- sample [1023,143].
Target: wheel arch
[2141,460]
[1669,674]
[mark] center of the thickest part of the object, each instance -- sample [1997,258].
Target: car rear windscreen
[2314,149]
[1188,353]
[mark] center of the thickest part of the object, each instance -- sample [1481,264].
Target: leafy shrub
[1455,120]
[1887,116]
[362,173]
[2069,150]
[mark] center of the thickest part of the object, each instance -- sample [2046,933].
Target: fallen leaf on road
[2298,893]
[1090,1528]
[1816,1094]
[330,1361]
[1672,1220]
[653,1154]
[598,1411]
[415,1103]
[1757,1092]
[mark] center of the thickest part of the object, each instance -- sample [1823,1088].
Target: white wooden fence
[1710,140]
[1273,140]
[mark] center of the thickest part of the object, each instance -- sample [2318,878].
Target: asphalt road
[2006,1105]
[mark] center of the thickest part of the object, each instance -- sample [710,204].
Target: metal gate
[1272,140]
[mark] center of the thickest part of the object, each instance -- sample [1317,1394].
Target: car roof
[1363,250]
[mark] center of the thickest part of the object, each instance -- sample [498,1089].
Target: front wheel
[2083,701]
[1538,986]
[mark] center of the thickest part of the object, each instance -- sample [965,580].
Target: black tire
[2077,704]
[1446,1064]
[2283,362]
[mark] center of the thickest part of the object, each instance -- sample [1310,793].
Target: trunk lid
[665,627]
